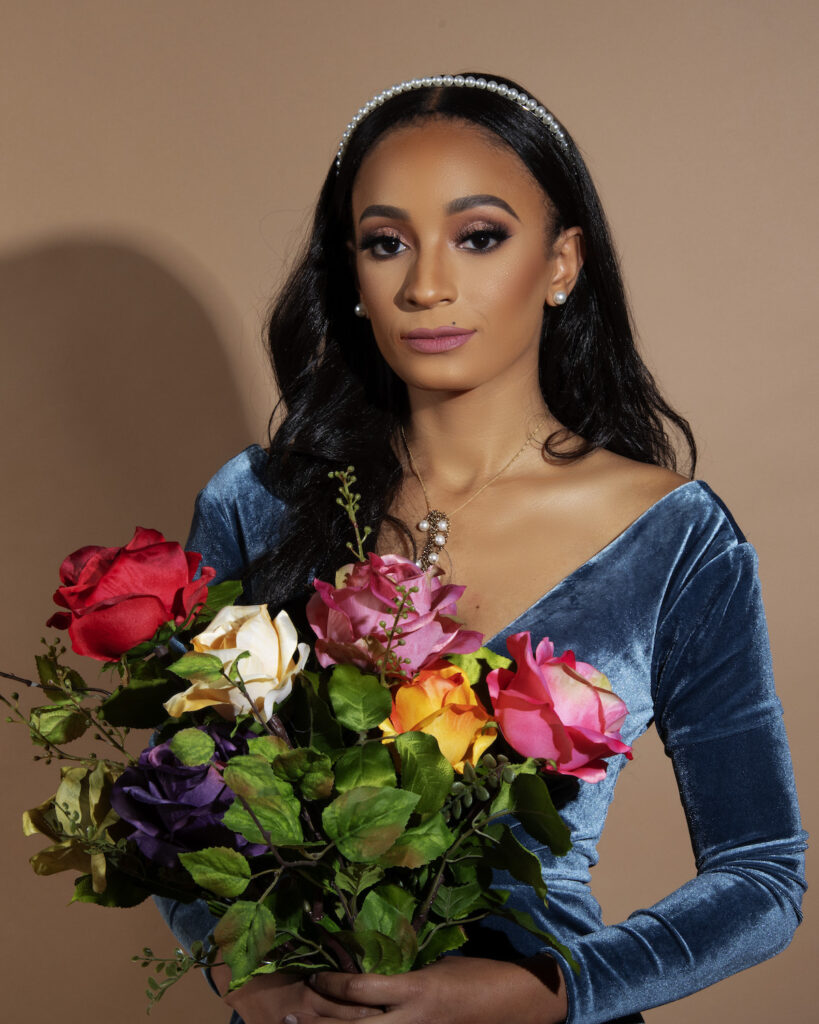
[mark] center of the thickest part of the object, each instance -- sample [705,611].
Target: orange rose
[440,701]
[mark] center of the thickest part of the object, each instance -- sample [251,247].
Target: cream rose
[275,658]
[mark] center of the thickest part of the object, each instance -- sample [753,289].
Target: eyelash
[496,232]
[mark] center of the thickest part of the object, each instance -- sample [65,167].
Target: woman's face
[455,257]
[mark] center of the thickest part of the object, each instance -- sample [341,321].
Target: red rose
[118,597]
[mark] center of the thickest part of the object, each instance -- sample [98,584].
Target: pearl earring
[559,298]
[360,309]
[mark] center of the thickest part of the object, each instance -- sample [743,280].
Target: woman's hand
[456,990]
[269,998]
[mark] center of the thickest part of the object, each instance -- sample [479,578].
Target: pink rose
[558,709]
[347,618]
[118,597]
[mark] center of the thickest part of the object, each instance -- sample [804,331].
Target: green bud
[469,772]
[457,788]
[508,774]
[467,798]
[488,761]
[481,792]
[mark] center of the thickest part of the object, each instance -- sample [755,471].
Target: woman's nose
[429,280]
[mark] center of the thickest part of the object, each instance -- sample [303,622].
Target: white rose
[275,657]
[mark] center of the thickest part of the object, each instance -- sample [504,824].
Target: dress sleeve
[720,721]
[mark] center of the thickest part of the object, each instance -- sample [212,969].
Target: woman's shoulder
[642,498]
[240,478]
[236,517]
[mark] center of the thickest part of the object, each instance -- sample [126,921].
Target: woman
[457,330]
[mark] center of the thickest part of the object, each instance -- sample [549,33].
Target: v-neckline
[602,552]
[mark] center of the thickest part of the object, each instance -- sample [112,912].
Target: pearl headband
[458,81]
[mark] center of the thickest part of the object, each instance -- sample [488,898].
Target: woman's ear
[567,260]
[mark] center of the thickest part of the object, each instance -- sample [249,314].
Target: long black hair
[341,404]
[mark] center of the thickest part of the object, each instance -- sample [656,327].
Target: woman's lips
[439,339]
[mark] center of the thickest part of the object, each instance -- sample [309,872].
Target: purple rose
[174,808]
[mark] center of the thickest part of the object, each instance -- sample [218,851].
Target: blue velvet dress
[671,611]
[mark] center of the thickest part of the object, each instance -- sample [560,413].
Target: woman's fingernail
[290,1019]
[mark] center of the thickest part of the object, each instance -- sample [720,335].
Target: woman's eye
[482,239]
[382,246]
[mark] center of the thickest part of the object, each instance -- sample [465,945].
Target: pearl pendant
[436,527]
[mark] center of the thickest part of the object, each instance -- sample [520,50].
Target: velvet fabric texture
[671,612]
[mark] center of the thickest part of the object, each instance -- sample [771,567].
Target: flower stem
[18,679]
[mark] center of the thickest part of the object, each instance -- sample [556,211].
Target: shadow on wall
[117,403]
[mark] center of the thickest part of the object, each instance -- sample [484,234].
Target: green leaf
[354,878]
[424,770]
[444,940]
[366,821]
[359,701]
[377,953]
[419,845]
[120,891]
[48,675]
[53,688]
[138,704]
[524,920]
[287,902]
[377,915]
[532,806]
[160,639]
[235,672]
[192,746]
[267,747]
[367,765]
[454,902]
[270,799]
[399,898]
[512,856]
[475,664]
[325,731]
[244,935]
[220,595]
[197,666]
[311,769]
[57,723]
[220,870]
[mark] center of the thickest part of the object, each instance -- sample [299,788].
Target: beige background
[158,161]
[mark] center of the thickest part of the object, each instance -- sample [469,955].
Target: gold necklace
[437,524]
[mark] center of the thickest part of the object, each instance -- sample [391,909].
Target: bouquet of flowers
[337,807]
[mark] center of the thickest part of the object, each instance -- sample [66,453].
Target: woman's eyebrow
[380,210]
[456,206]
[485,199]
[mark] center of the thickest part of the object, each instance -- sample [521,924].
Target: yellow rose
[276,657]
[441,702]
